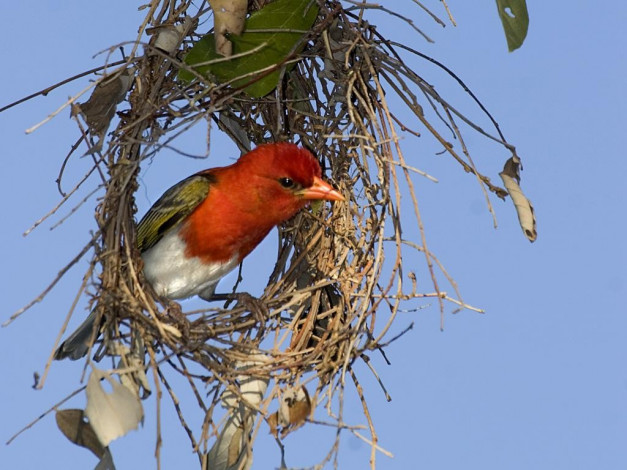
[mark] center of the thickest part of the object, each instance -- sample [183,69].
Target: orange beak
[321,190]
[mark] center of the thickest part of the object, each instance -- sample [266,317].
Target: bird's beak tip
[320,189]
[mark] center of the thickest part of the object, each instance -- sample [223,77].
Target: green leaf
[271,33]
[515,19]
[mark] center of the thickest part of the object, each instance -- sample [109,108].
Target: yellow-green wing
[176,203]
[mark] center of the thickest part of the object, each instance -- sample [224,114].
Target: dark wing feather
[176,203]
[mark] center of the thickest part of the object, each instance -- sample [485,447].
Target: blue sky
[538,382]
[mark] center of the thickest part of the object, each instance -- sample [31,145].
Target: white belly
[176,277]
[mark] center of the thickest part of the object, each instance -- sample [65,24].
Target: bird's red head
[282,159]
[287,178]
[264,188]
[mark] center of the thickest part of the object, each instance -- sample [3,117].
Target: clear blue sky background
[538,382]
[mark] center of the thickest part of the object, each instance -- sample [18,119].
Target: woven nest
[339,281]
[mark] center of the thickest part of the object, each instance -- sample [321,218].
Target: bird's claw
[174,311]
[254,305]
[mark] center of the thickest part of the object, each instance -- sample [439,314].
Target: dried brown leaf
[77,429]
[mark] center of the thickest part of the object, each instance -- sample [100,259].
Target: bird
[204,226]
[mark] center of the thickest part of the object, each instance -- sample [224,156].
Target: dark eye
[287,183]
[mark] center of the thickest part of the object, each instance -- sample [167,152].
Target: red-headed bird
[204,226]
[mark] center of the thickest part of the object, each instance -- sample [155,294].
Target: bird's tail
[77,344]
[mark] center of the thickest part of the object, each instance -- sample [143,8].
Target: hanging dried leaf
[229,17]
[169,37]
[73,425]
[511,179]
[111,414]
[106,462]
[99,109]
[294,409]
[133,360]
[232,449]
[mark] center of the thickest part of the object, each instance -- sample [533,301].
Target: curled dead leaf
[169,37]
[99,109]
[229,17]
[511,179]
[77,429]
[294,409]
[232,450]
[114,414]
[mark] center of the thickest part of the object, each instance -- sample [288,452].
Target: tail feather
[77,344]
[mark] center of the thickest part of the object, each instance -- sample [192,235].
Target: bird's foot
[174,311]
[254,305]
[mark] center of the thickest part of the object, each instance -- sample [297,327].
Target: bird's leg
[173,310]
[254,305]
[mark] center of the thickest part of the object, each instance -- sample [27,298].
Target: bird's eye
[287,183]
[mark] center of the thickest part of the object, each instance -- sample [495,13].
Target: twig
[61,273]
